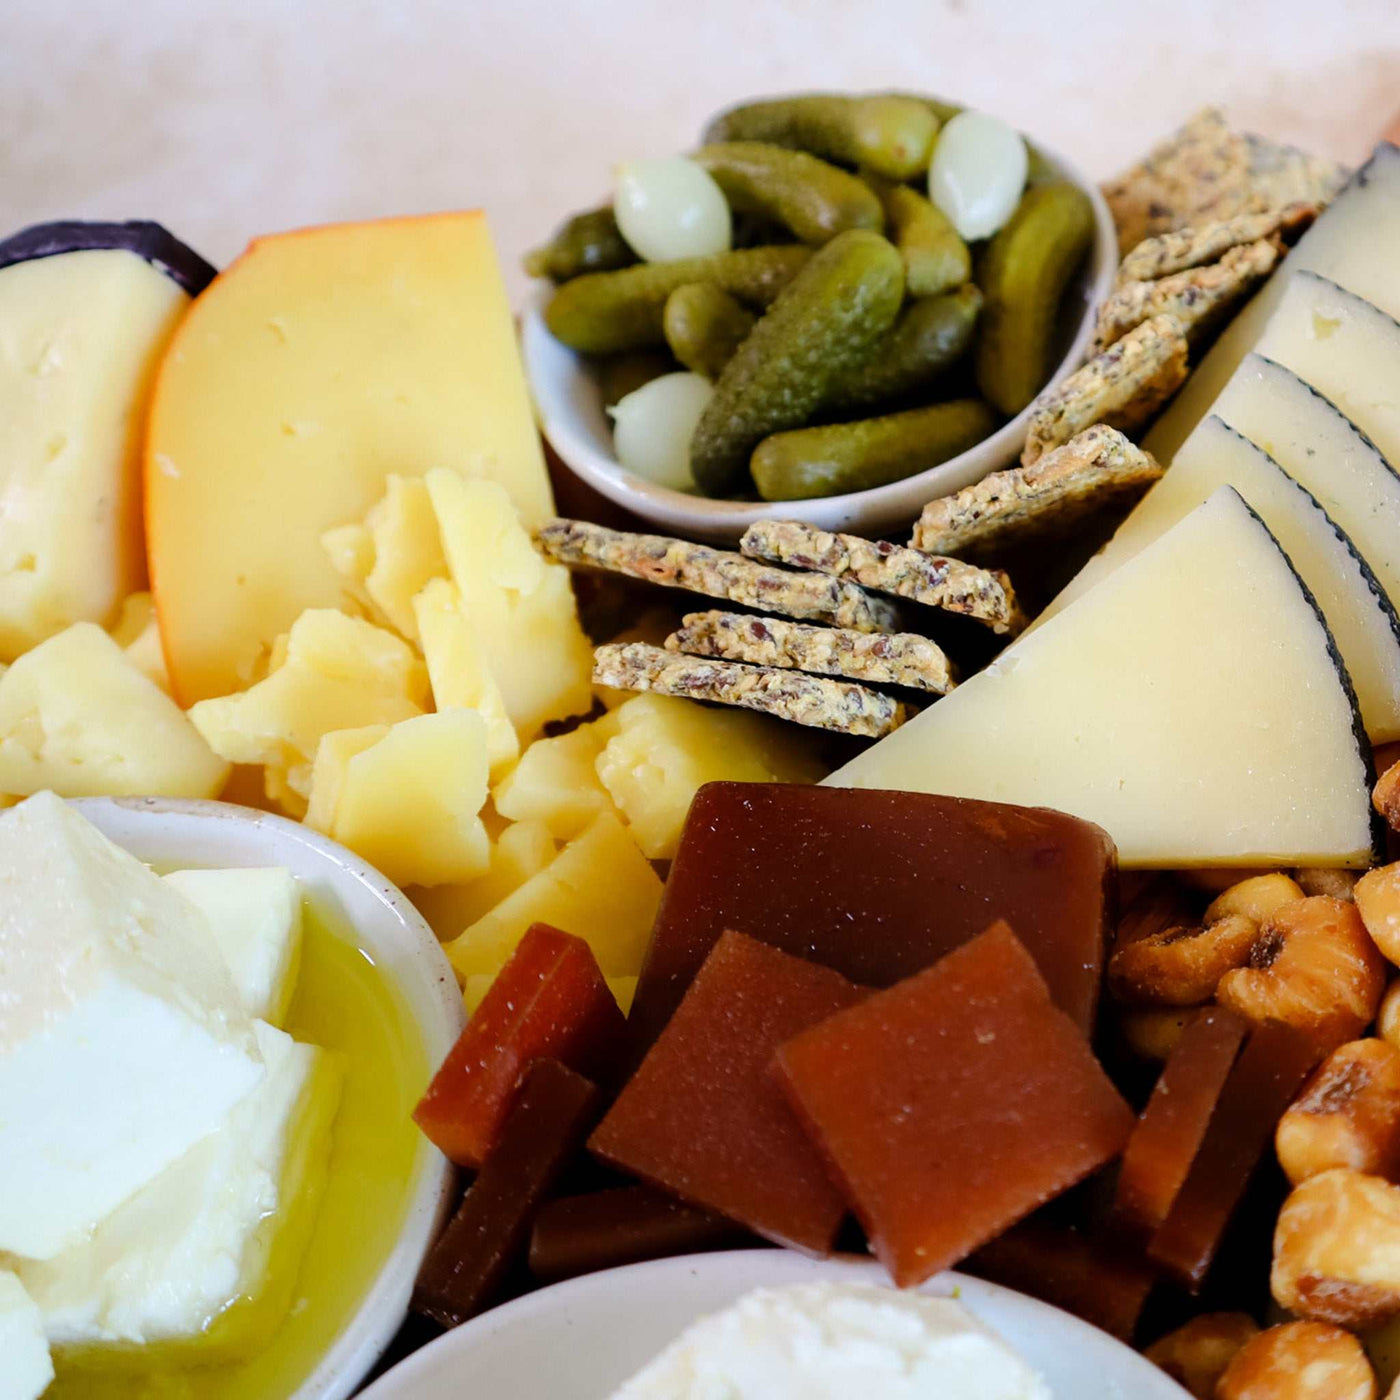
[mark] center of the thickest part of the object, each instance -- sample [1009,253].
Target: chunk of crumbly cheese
[174,1255]
[26,1367]
[122,1042]
[255,917]
[821,1341]
[78,716]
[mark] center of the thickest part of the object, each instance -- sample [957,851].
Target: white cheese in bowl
[829,1341]
[122,1042]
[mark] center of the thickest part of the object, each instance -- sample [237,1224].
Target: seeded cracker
[876,658]
[814,701]
[949,584]
[1194,247]
[1092,470]
[718,573]
[1122,387]
[1196,299]
[1206,173]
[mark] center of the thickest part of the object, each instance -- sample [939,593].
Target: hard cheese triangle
[1193,704]
[1356,607]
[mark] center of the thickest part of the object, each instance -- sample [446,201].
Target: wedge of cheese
[1346,349]
[318,364]
[1358,610]
[1193,704]
[80,337]
[1349,244]
[1324,452]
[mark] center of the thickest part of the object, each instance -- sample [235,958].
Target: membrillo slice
[1172,1126]
[704,1118]
[624,1225]
[955,1103]
[878,885]
[549,1001]
[547,1126]
[1268,1074]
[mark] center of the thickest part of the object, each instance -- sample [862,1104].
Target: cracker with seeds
[840,706]
[1206,173]
[1098,468]
[717,573]
[1122,387]
[1196,299]
[936,582]
[875,658]
[1195,247]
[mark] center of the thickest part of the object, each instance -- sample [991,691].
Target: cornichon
[935,257]
[890,134]
[812,198]
[589,242]
[931,335]
[823,325]
[604,313]
[843,457]
[704,326]
[619,375]
[1027,267]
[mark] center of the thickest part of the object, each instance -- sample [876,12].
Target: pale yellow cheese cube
[599,887]
[522,609]
[78,717]
[328,773]
[521,851]
[339,673]
[556,781]
[410,802]
[407,550]
[458,671]
[137,632]
[667,748]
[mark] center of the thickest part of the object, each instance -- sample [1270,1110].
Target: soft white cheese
[122,1042]
[172,1257]
[25,1365]
[828,1341]
[255,917]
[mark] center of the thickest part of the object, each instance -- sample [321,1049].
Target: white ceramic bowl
[580,1340]
[570,406]
[171,832]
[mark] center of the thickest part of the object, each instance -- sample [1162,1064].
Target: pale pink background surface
[226,118]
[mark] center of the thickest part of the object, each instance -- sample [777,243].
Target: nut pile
[1314,951]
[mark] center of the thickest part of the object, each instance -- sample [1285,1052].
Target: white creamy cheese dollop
[829,1341]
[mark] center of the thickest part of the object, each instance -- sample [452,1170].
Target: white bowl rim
[438,1013]
[883,505]
[653,1277]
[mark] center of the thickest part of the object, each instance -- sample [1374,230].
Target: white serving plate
[569,402]
[581,1339]
[173,832]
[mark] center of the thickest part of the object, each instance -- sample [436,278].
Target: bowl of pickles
[834,309]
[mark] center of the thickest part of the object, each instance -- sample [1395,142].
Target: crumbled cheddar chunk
[407,551]
[667,748]
[522,609]
[338,672]
[599,887]
[408,798]
[556,781]
[458,670]
[137,632]
[79,717]
[518,853]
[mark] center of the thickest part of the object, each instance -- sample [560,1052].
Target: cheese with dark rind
[1193,704]
[151,242]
